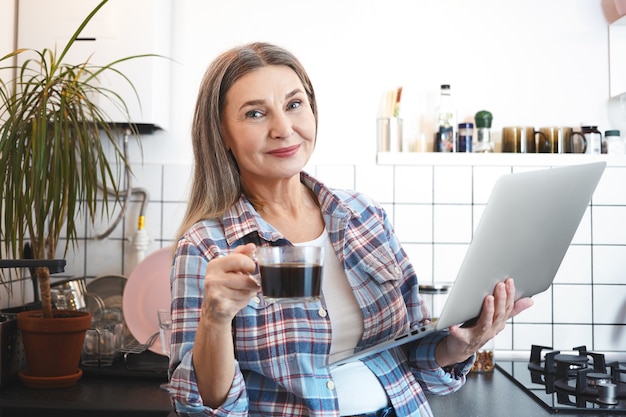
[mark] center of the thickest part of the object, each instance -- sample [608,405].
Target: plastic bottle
[483,142]
[445,122]
[614,142]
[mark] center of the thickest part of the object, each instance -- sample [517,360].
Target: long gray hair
[216,181]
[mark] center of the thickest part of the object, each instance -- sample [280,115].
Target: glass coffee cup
[99,347]
[290,274]
[164,317]
[560,139]
[516,139]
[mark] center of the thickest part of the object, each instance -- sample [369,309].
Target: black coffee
[291,280]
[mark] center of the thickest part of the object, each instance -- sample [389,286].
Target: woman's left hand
[463,342]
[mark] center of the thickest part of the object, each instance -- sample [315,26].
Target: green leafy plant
[53,165]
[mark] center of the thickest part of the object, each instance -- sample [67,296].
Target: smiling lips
[285,152]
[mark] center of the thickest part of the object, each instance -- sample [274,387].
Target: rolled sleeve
[433,378]
[188,401]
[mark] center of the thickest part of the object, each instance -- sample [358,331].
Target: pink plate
[146,291]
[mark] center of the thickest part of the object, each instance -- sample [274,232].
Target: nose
[281,127]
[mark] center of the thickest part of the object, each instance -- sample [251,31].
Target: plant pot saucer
[49,382]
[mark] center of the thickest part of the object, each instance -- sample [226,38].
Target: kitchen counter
[492,395]
[93,396]
[484,395]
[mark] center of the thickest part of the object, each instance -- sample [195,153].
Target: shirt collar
[241,219]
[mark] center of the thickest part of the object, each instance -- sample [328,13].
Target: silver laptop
[524,233]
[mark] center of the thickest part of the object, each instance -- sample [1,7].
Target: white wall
[7,23]
[530,62]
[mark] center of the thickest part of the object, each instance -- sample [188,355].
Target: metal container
[389,134]
[69,294]
[435,296]
[12,358]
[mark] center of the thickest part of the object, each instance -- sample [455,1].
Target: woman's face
[268,124]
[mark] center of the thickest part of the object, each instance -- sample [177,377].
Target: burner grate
[580,381]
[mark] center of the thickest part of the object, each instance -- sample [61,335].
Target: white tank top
[358,389]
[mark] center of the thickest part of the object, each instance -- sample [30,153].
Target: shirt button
[321,312]
[330,385]
[396,270]
[257,300]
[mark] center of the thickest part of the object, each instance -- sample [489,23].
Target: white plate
[147,290]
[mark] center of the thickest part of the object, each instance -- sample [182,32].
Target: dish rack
[136,347]
[134,361]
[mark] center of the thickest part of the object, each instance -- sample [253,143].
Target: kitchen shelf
[494,159]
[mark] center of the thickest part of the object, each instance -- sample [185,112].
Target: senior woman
[236,354]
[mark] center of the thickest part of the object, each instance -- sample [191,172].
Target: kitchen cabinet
[120,29]
[617,57]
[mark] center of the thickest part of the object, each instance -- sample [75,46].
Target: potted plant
[53,168]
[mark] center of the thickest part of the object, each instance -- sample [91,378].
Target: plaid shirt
[282,349]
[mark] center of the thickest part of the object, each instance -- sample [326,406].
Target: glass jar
[464,137]
[484,358]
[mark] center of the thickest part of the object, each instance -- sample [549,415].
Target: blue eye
[253,114]
[294,104]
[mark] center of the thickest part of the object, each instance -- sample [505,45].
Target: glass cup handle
[582,138]
[546,142]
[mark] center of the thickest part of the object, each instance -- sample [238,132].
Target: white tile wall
[375,181]
[453,184]
[609,264]
[434,207]
[414,223]
[572,304]
[413,185]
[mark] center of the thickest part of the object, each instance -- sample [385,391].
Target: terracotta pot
[53,346]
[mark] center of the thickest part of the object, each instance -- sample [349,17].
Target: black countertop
[91,396]
[484,395]
[127,388]
[493,395]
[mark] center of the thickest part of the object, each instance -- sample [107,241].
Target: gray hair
[216,180]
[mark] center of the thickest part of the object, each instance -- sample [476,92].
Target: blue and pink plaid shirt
[282,349]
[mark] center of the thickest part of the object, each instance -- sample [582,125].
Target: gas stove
[578,382]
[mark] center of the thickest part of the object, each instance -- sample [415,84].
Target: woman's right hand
[228,285]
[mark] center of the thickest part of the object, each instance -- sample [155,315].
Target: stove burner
[574,362]
[596,379]
[567,365]
[607,394]
[582,380]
